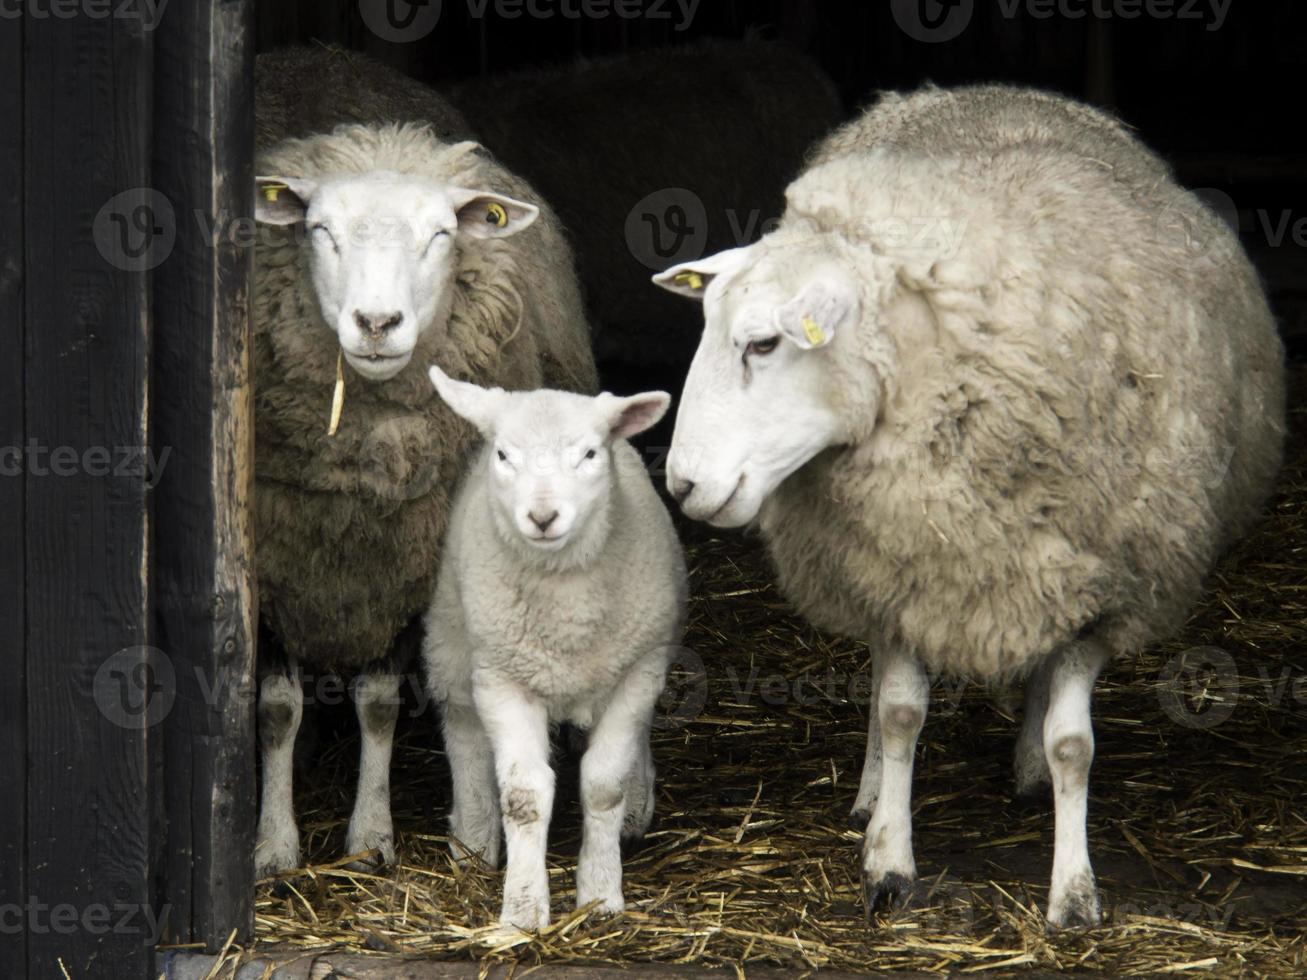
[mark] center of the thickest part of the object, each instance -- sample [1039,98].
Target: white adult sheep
[998,392]
[538,619]
[400,253]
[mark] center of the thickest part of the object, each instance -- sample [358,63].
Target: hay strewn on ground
[1198,819]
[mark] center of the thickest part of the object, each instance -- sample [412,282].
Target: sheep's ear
[484,214]
[282,200]
[626,417]
[691,278]
[820,310]
[478,405]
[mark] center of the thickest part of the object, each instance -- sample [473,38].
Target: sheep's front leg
[619,743]
[887,864]
[869,785]
[281,707]
[1031,764]
[474,817]
[518,726]
[1069,746]
[376,703]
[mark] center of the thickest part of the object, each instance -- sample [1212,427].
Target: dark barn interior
[1198,809]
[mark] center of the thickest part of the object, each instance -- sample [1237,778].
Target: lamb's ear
[821,309]
[485,214]
[480,406]
[691,278]
[282,200]
[626,417]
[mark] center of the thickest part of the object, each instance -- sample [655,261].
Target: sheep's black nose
[543,522]
[377,323]
[681,488]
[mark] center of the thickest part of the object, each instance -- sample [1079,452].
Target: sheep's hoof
[887,893]
[859,818]
[371,863]
[1036,793]
[1076,908]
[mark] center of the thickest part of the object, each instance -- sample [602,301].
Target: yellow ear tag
[270,192]
[338,395]
[815,334]
[691,279]
[496,215]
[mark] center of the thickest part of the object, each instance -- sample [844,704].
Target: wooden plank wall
[90,756]
[13,660]
[201,405]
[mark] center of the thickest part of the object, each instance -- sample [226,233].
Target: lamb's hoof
[1076,908]
[525,914]
[859,818]
[889,892]
[606,909]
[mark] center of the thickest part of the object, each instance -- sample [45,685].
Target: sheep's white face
[384,253]
[550,460]
[757,402]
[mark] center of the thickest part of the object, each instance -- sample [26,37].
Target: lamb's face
[384,253]
[550,457]
[757,402]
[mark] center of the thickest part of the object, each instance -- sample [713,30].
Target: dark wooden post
[90,684]
[202,415]
[13,658]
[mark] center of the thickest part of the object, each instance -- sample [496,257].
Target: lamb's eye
[762,347]
[503,456]
[591,454]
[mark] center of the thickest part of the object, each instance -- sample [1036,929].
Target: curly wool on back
[348,527]
[1093,411]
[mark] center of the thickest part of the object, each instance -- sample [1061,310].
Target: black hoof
[1036,795]
[891,892]
[859,819]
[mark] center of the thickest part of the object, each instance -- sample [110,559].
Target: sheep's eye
[496,215]
[330,237]
[762,346]
[591,454]
[503,456]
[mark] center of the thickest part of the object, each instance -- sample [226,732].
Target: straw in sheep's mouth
[337,394]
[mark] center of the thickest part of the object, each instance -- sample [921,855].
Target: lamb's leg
[474,817]
[638,791]
[618,744]
[1069,746]
[869,785]
[281,706]
[518,727]
[1031,765]
[376,702]
[887,864]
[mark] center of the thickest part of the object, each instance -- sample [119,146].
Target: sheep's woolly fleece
[348,528]
[1092,410]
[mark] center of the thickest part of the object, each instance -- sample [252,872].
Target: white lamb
[998,392]
[560,594]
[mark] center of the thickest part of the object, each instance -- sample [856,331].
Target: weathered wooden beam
[13,659]
[90,753]
[202,413]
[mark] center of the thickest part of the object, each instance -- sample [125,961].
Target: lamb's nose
[680,488]
[377,323]
[543,522]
